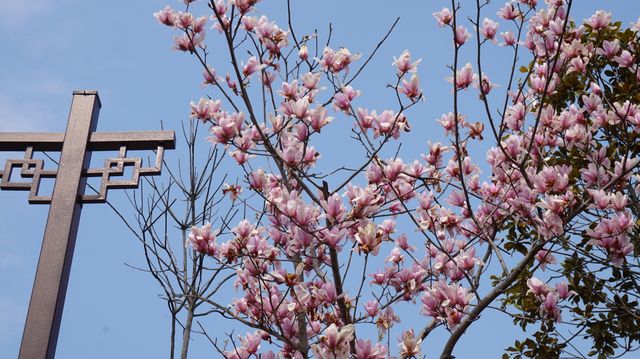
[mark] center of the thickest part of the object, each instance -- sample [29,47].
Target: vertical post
[47,298]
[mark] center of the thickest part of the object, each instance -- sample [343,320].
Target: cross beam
[98,141]
[76,144]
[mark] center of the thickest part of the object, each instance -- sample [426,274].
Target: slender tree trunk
[173,336]
[186,335]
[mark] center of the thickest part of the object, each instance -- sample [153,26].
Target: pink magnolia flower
[625,59]
[434,158]
[298,108]
[538,84]
[364,350]
[342,100]
[619,201]
[233,190]
[390,123]
[601,198]
[228,127]
[411,89]
[457,199]
[199,24]
[270,35]
[392,169]
[475,129]
[165,16]
[404,64]
[187,43]
[220,7]
[289,90]
[464,77]
[446,302]
[592,103]
[310,80]
[508,38]
[241,157]
[332,237]
[205,109]
[257,179]
[403,243]
[537,287]
[232,84]
[209,75]
[578,64]
[611,234]
[334,208]
[386,320]
[251,342]
[371,307]
[515,115]
[599,20]
[609,48]
[303,53]
[461,35]
[489,28]
[395,256]
[318,118]
[253,65]
[545,257]
[409,344]
[443,17]
[336,61]
[485,85]
[379,278]
[508,12]
[244,5]
[203,240]
[366,120]
[249,23]
[184,20]
[562,288]
[368,239]
[550,308]
[337,340]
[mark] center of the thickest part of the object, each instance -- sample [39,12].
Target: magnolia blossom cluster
[549,297]
[524,186]
[193,28]
[287,265]
[446,302]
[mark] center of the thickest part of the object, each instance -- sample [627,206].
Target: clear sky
[51,48]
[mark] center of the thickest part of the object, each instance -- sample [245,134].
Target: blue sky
[51,48]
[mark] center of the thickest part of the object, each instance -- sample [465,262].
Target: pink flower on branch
[253,65]
[561,169]
[336,61]
[464,77]
[404,64]
[365,350]
[342,100]
[461,35]
[203,240]
[443,17]
[188,43]
[165,16]
[509,12]
[599,20]
[411,88]
[489,28]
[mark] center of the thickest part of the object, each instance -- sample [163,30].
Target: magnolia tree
[307,254]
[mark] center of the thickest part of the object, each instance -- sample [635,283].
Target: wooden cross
[76,144]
